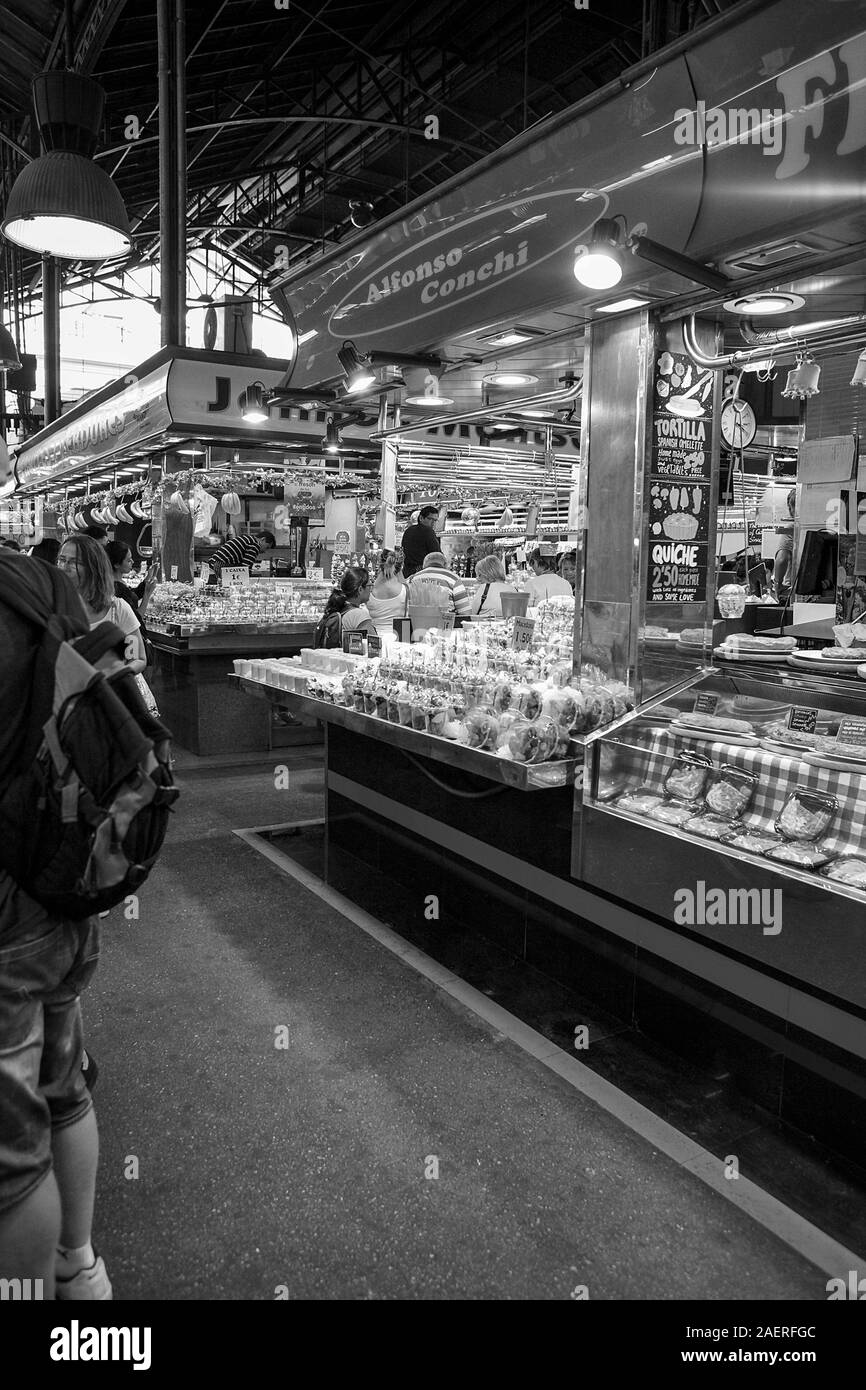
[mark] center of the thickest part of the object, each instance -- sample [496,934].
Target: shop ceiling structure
[310,118]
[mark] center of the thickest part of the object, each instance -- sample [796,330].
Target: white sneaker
[92,1283]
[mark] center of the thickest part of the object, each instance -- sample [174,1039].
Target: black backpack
[329,631]
[82,823]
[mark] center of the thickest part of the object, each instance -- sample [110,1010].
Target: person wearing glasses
[86,563]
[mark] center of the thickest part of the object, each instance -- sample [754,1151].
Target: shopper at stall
[783,561]
[346,609]
[419,541]
[46,550]
[389,596]
[241,552]
[120,559]
[545,582]
[450,586]
[49,1145]
[492,583]
[568,567]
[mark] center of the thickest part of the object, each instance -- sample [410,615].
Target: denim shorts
[45,963]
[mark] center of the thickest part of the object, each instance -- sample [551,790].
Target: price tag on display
[353,643]
[315,572]
[234,574]
[803,719]
[374,645]
[852,731]
[706,703]
[174,574]
[524,631]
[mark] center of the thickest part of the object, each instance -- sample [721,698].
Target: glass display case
[262,606]
[735,809]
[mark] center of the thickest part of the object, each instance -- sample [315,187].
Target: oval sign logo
[468,259]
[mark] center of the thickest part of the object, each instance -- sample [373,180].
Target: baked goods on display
[716,723]
[640,803]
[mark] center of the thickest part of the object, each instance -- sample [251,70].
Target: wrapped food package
[848,868]
[671,813]
[688,777]
[640,803]
[482,728]
[803,856]
[730,792]
[710,827]
[806,815]
[752,841]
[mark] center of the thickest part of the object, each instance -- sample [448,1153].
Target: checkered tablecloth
[653,753]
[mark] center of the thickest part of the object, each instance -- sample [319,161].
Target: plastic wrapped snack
[730,792]
[688,777]
[531,740]
[752,841]
[420,711]
[806,815]
[438,716]
[711,827]
[502,696]
[404,708]
[640,803]
[671,813]
[482,728]
[803,856]
[848,868]
[393,703]
[532,700]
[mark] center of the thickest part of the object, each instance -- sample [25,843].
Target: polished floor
[285,1105]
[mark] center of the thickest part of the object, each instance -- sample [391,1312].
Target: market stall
[484,276]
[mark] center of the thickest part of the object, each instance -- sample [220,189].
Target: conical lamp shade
[68,109]
[9,359]
[63,205]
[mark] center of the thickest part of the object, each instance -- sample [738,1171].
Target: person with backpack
[85,794]
[346,609]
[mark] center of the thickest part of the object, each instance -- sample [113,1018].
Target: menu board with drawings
[680,477]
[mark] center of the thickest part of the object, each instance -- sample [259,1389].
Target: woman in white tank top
[388,598]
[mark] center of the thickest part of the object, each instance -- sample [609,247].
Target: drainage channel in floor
[815,1183]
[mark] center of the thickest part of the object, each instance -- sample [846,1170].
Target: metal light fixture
[509,379]
[431,394]
[859,377]
[254,405]
[62,204]
[9,359]
[802,380]
[360,212]
[599,265]
[764,302]
[359,376]
[332,442]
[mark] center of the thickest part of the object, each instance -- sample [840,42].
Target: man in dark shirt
[242,551]
[419,540]
[48,1135]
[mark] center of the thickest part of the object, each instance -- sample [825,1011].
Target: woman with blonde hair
[86,563]
[389,595]
[486,601]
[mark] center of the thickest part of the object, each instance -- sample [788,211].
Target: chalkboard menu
[679,484]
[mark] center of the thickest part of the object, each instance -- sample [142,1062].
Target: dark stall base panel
[810,1085]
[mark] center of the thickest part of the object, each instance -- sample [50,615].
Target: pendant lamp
[62,204]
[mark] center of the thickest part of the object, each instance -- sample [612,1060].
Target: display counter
[195,633]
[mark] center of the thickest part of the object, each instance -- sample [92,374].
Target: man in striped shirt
[454,597]
[242,551]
